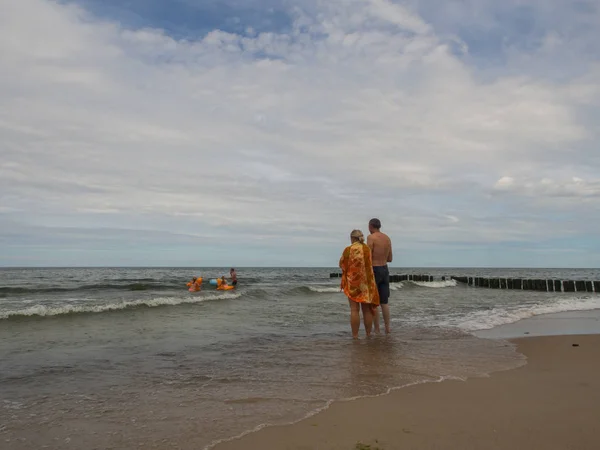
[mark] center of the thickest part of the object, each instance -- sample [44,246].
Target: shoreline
[324,408]
[576,340]
[566,323]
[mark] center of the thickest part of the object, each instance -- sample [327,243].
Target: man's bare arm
[370,243]
[390,257]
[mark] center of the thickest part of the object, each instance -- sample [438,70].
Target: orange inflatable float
[223,286]
[195,284]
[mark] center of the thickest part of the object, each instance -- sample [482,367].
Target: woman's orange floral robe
[358,280]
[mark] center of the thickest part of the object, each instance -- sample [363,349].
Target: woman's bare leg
[354,318]
[367,317]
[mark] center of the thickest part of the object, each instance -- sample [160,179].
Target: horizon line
[289,267]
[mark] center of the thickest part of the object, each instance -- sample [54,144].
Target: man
[233,275]
[381,250]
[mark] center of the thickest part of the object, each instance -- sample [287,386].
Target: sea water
[126,358]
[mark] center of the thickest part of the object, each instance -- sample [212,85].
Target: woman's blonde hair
[357,234]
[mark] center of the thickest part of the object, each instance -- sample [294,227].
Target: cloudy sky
[261,132]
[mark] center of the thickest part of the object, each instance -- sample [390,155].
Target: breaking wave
[436,284]
[393,286]
[488,319]
[48,311]
[324,289]
[134,286]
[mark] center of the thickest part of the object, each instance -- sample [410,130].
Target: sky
[262,132]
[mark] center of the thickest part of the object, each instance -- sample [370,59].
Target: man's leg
[385,309]
[367,317]
[383,286]
[376,311]
[354,318]
[376,320]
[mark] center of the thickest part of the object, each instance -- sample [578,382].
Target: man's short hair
[375,223]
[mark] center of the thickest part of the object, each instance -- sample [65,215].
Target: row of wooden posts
[547,285]
[527,284]
[397,278]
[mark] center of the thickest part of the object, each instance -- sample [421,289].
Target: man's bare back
[381,248]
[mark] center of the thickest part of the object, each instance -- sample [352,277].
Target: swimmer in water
[194,285]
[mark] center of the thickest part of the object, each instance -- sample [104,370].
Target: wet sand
[551,403]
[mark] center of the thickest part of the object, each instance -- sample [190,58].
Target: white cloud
[504,182]
[363,99]
[573,187]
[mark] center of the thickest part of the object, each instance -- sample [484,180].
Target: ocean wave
[393,286]
[117,284]
[324,289]
[485,320]
[49,311]
[436,284]
[91,287]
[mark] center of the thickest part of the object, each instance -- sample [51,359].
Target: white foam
[436,284]
[43,311]
[485,320]
[324,289]
[393,287]
[326,406]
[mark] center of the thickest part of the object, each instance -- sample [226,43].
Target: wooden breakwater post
[531,284]
[410,277]
[396,278]
[525,284]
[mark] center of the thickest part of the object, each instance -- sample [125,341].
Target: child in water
[194,285]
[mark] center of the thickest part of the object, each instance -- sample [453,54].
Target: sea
[121,358]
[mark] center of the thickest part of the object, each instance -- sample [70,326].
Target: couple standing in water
[366,278]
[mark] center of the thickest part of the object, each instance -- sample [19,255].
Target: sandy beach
[552,402]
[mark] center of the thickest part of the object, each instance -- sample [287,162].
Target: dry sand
[552,403]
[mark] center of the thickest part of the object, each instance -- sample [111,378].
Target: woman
[358,282]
